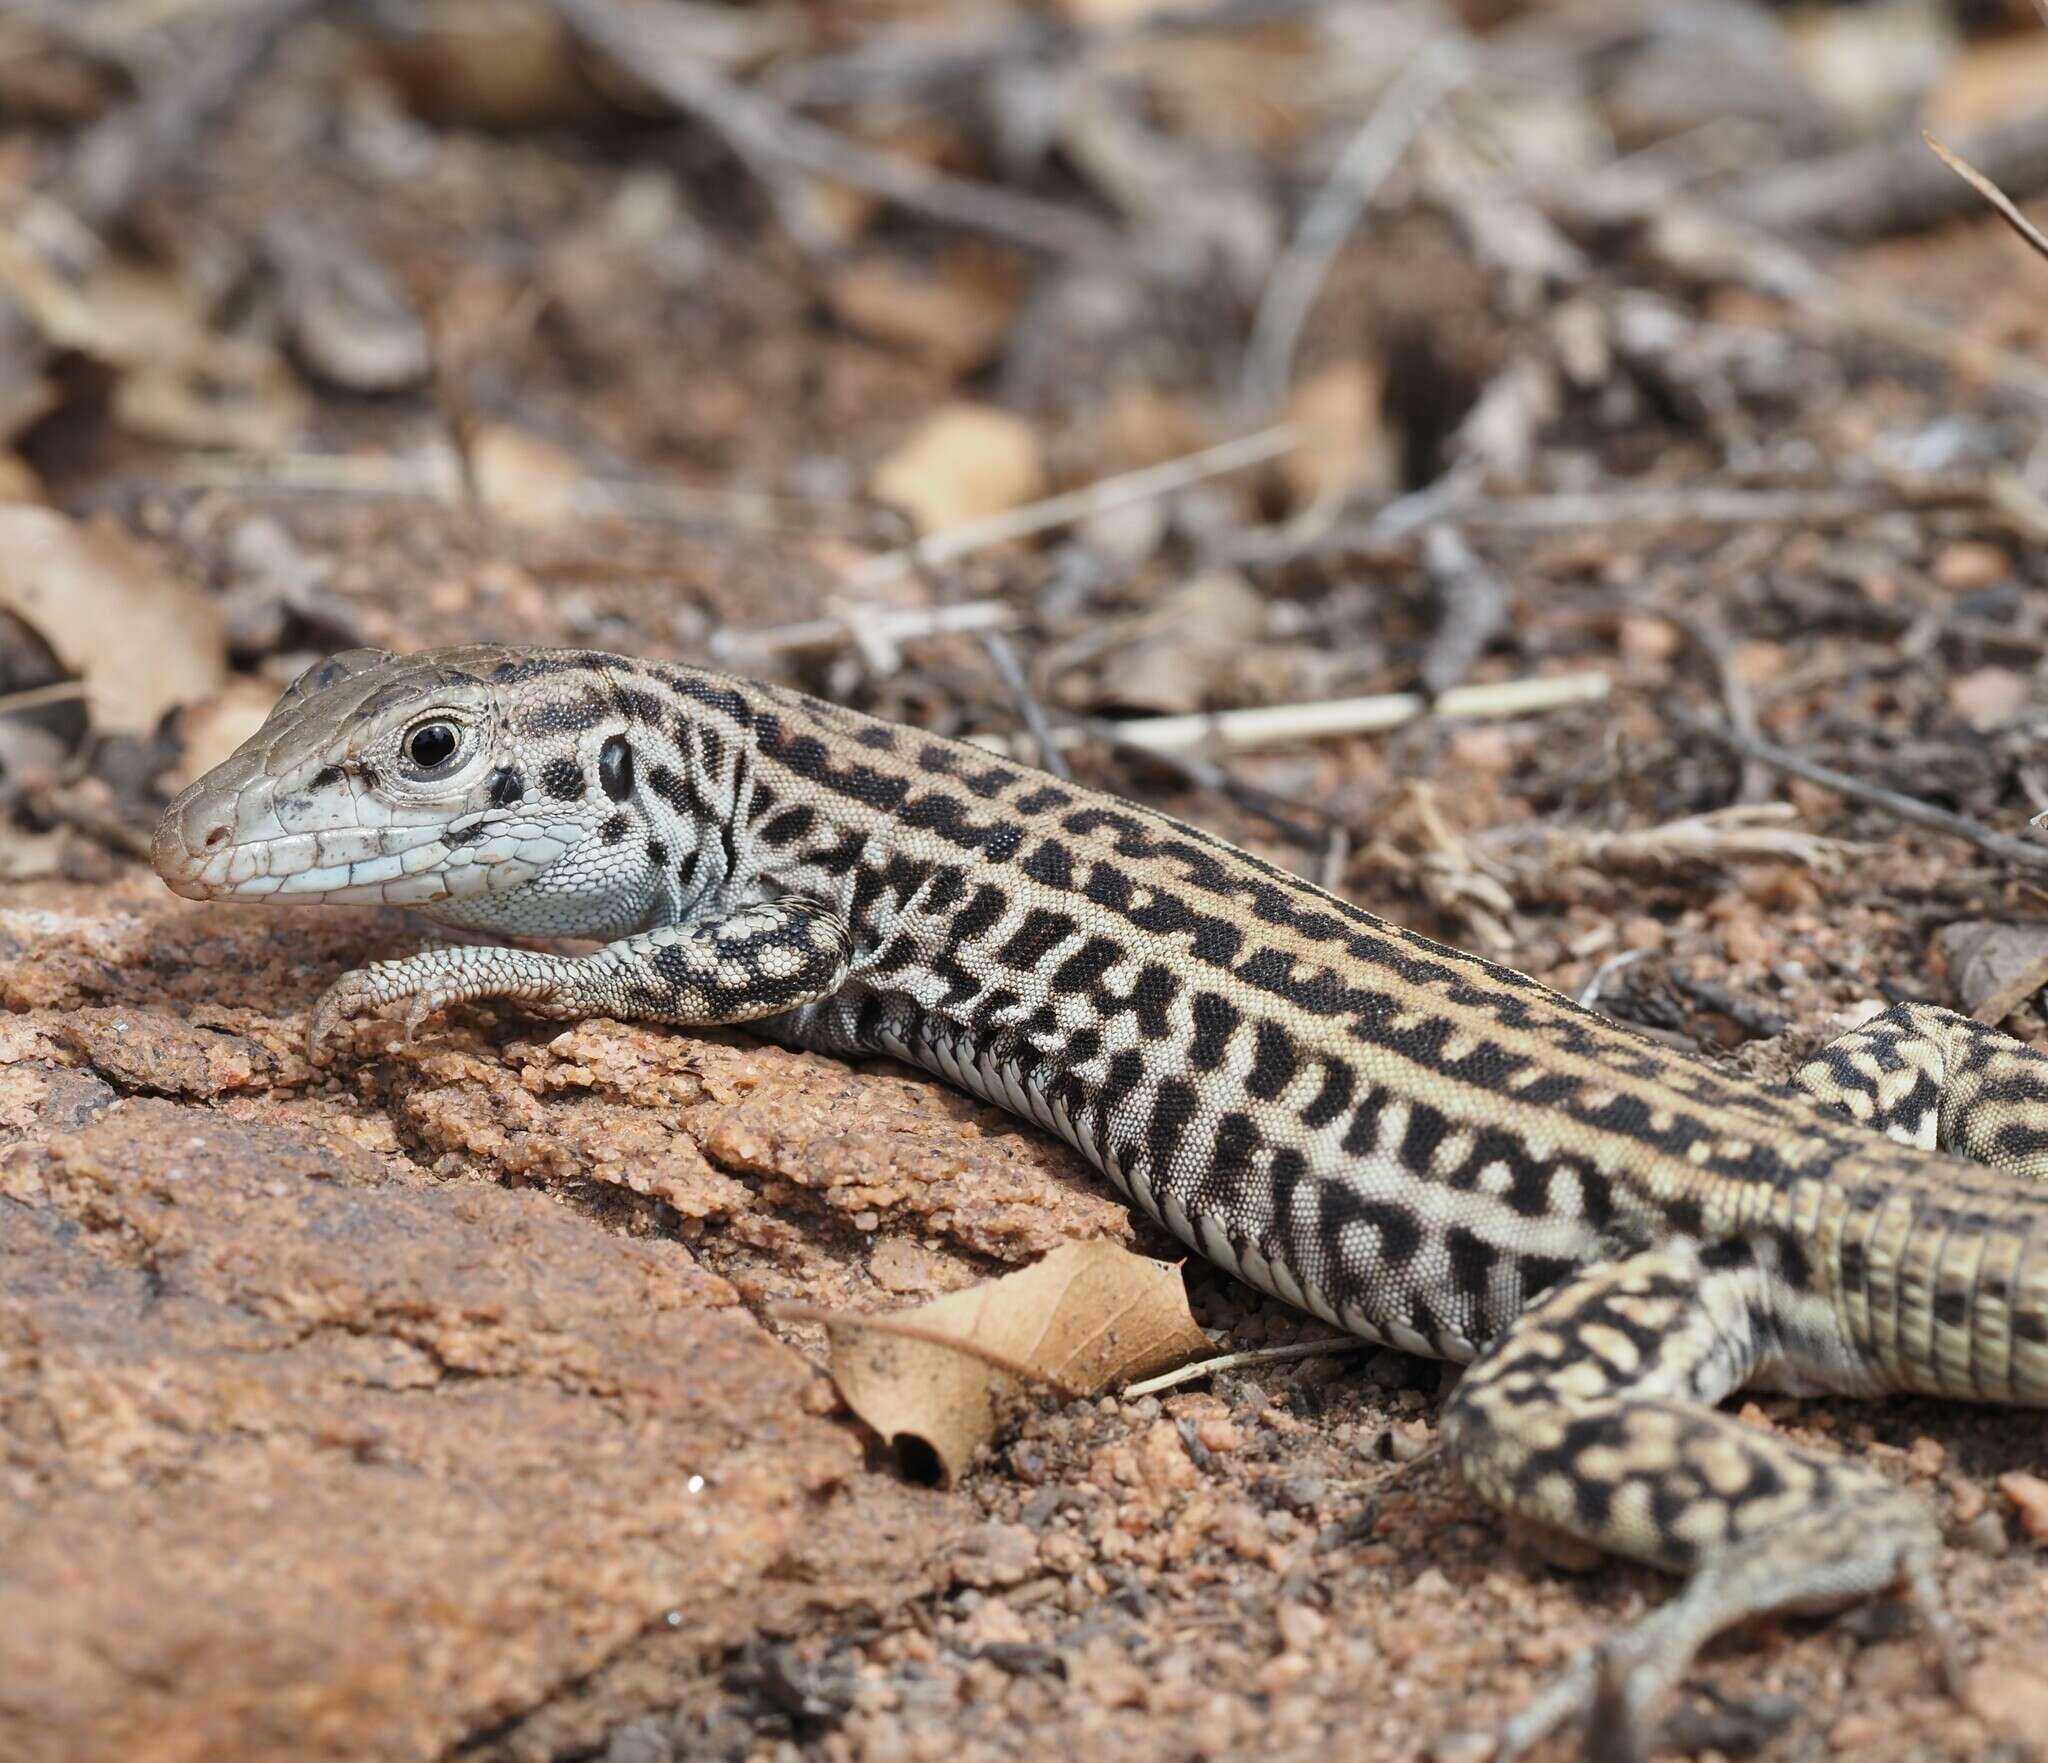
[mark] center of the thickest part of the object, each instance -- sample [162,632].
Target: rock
[2030,1494]
[2009,1695]
[312,1463]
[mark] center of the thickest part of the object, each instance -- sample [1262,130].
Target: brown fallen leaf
[953,315]
[963,462]
[140,640]
[1087,1316]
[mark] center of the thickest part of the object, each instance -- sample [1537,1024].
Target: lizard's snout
[193,829]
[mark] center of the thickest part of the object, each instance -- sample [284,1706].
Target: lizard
[1420,1146]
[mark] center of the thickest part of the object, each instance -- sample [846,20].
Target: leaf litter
[931,1379]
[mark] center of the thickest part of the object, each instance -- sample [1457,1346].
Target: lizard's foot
[367,989]
[434,979]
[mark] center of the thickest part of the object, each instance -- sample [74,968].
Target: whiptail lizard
[1415,1144]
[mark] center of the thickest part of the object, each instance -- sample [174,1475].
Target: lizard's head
[382,779]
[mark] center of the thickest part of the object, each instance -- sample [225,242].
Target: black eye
[432,744]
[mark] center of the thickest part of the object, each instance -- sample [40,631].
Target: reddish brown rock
[301,1463]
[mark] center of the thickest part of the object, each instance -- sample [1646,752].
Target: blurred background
[1568,476]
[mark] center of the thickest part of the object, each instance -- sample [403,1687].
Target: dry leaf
[495,64]
[528,481]
[1144,426]
[1087,1316]
[1345,446]
[214,727]
[963,462]
[1993,967]
[140,641]
[229,392]
[953,316]
[1200,630]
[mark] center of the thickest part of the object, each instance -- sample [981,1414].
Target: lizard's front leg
[762,959]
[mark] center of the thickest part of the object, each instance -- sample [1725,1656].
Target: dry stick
[1273,725]
[1003,658]
[63,691]
[1437,70]
[1144,485]
[762,133]
[1990,191]
[1451,498]
[1277,725]
[1886,187]
[879,630]
[1343,1343]
[1997,844]
[1719,648]
[1473,602]
[123,156]
[434,476]
[1205,774]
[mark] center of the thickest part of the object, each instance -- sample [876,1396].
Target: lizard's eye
[430,746]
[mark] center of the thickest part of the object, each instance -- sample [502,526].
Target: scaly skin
[1418,1145]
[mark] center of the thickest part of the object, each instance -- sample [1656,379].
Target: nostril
[217,837]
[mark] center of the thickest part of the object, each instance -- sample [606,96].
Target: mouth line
[207,868]
[465,857]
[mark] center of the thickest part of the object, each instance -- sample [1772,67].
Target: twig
[1472,602]
[879,631]
[1719,649]
[1277,725]
[1910,808]
[434,475]
[763,133]
[63,691]
[120,158]
[1143,485]
[1336,854]
[1205,774]
[1451,498]
[1607,970]
[1990,192]
[1888,187]
[1755,1020]
[1003,658]
[1436,70]
[1167,1380]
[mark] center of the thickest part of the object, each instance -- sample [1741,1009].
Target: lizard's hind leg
[1594,1414]
[1925,1076]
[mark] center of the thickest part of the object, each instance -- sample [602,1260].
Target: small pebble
[2030,1494]
[1971,564]
[1300,1627]
[1925,1457]
[1643,933]
[1983,1535]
